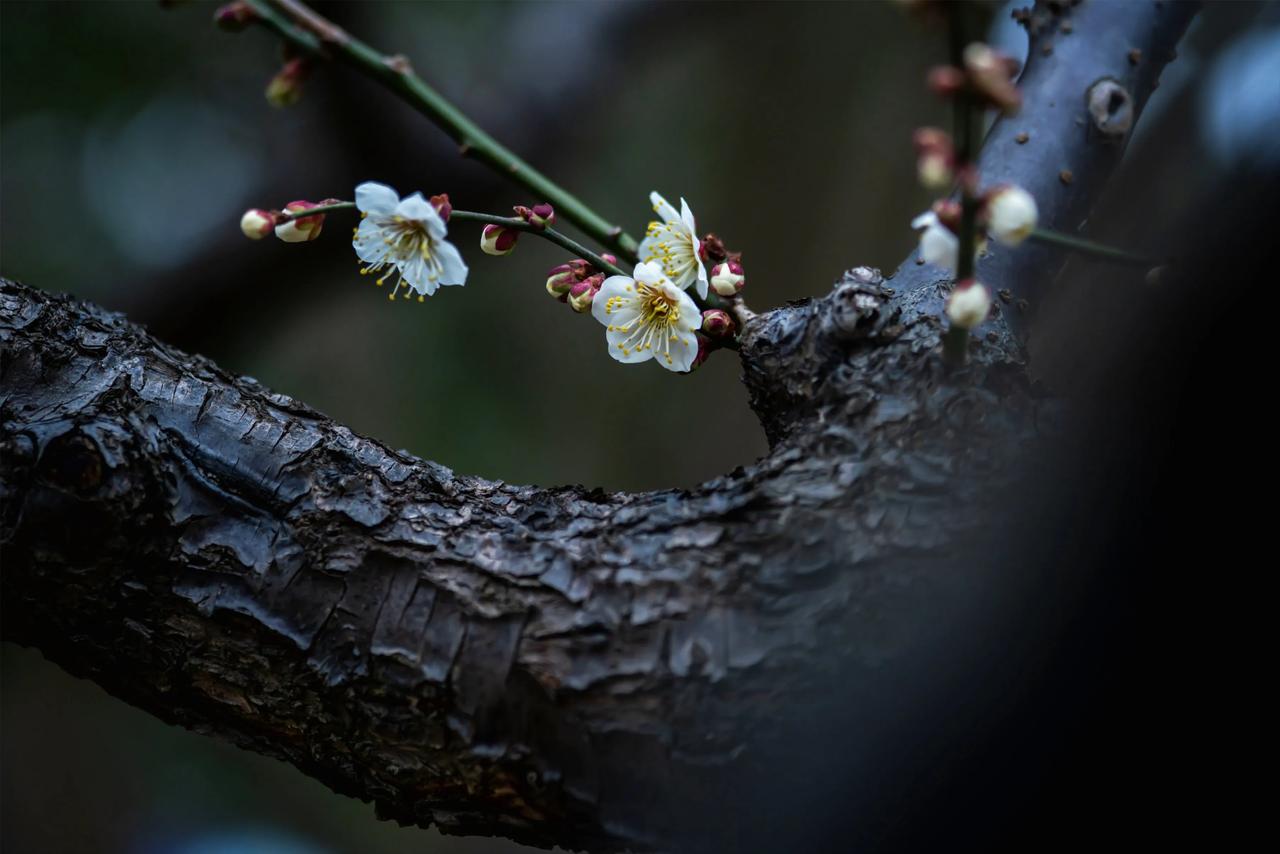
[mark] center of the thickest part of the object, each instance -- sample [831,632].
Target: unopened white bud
[969,304]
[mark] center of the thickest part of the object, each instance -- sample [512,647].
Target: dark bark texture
[560,666]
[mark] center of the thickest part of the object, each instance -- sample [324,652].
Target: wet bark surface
[560,666]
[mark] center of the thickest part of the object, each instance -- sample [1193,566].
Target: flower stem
[1088,247]
[556,237]
[512,222]
[300,26]
[289,216]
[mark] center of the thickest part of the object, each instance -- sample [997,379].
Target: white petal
[416,208]
[690,317]
[702,277]
[290,233]
[649,250]
[925,220]
[620,288]
[684,349]
[940,247]
[663,208]
[453,268]
[372,197]
[417,274]
[686,216]
[620,351]
[368,242]
[648,272]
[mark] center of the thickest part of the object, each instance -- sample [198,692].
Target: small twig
[317,36]
[289,216]
[512,222]
[1088,247]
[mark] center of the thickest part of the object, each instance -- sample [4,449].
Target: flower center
[659,308]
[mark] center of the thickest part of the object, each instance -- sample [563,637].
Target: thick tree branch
[1090,69]
[560,666]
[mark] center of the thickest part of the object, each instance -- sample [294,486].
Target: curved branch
[491,658]
[561,666]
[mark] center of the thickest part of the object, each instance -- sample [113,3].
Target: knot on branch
[791,355]
[1111,107]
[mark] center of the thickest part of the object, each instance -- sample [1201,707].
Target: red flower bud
[442,206]
[583,293]
[498,240]
[717,323]
[234,17]
[286,87]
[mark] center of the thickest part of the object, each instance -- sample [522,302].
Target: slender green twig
[1088,247]
[513,222]
[289,216]
[300,26]
[557,237]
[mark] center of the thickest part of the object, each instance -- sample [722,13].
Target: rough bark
[560,666]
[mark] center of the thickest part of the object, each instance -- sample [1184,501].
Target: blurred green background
[132,137]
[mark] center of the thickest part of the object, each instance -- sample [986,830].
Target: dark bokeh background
[131,137]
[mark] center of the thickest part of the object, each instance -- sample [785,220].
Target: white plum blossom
[1012,214]
[647,316]
[969,304]
[408,236]
[673,244]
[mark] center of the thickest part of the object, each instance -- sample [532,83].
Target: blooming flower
[406,235]
[673,244]
[968,304]
[646,316]
[1011,214]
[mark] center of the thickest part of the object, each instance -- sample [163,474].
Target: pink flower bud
[945,80]
[991,76]
[234,17]
[717,323]
[728,278]
[539,216]
[936,156]
[286,87]
[612,259]
[498,240]
[543,215]
[711,249]
[582,294]
[257,223]
[949,213]
[442,206]
[705,349]
[560,280]
[302,229]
